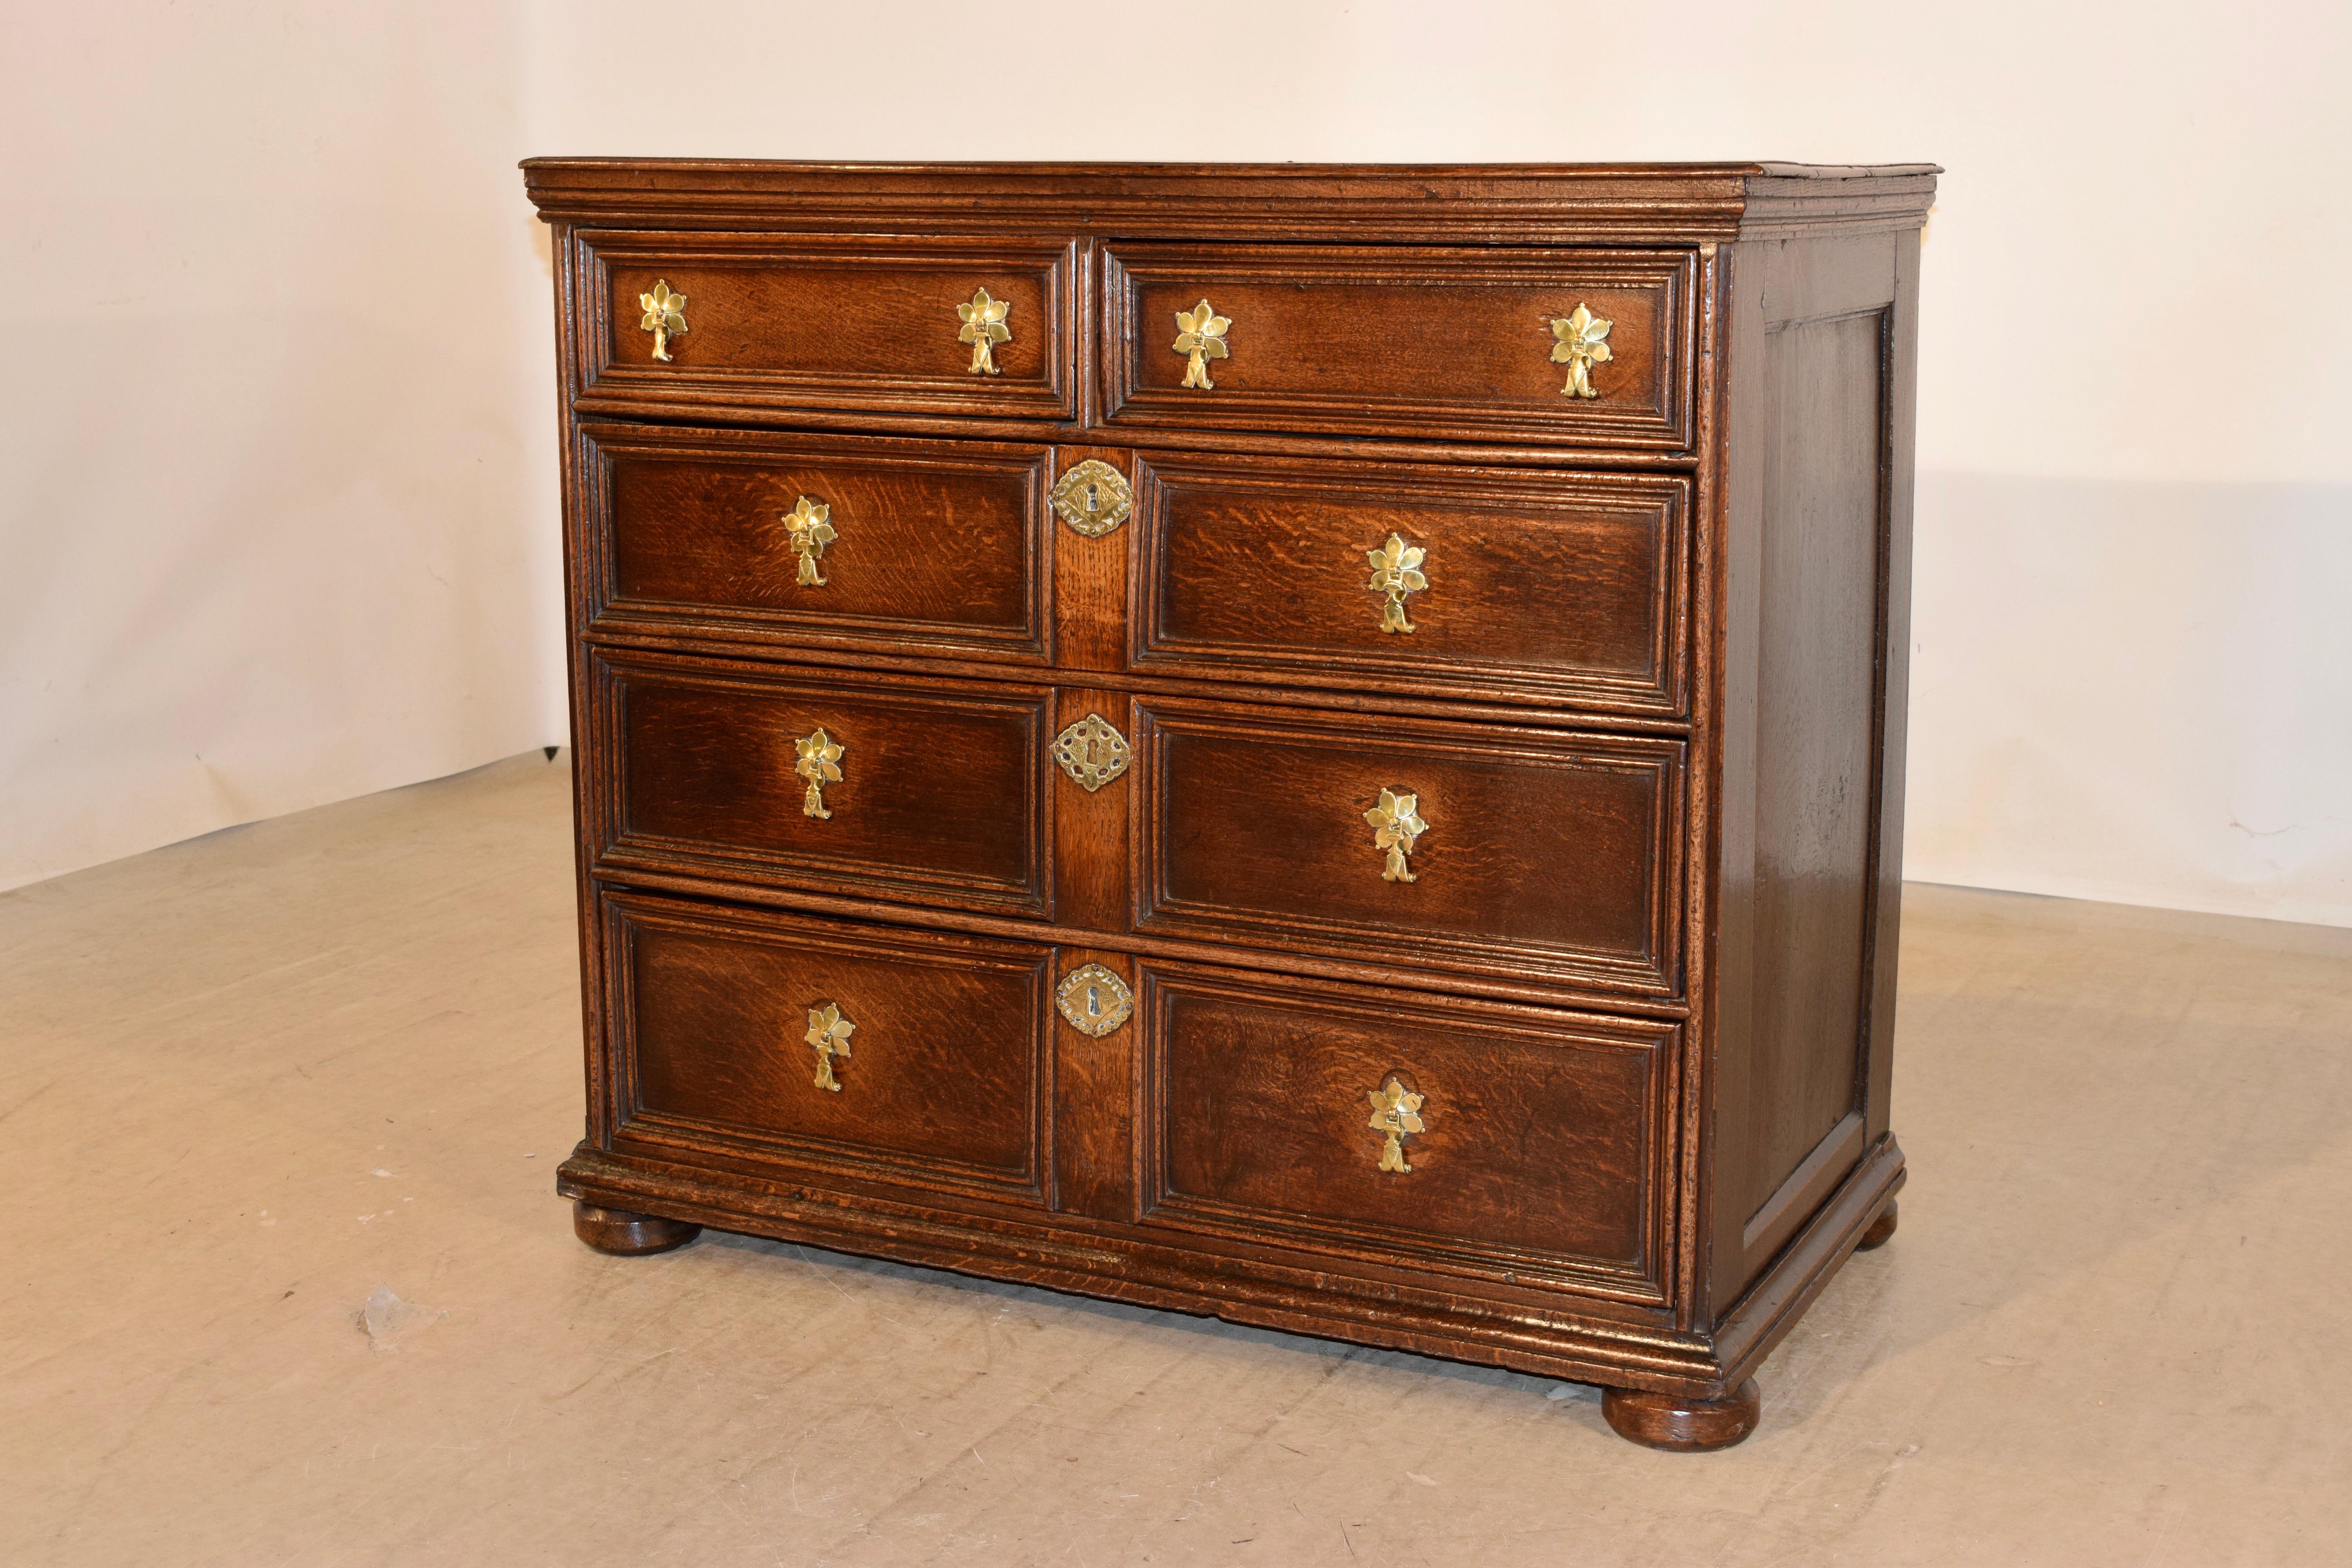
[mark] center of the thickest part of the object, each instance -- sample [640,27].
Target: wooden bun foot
[1881,1229]
[629,1235]
[1680,1425]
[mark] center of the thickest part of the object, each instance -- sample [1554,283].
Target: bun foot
[629,1235]
[1679,1425]
[1880,1231]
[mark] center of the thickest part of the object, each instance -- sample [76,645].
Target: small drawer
[855,785]
[1483,345]
[819,542]
[793,323]
[1527,853]
[1496,585]
[1514,1142]
[855,1050]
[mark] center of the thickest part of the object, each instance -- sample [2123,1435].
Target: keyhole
[1090,499]
[1094,1002]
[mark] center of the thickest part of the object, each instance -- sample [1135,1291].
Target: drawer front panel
[1392,341]
[1506,586]
[1537,853]
[794,324]
[1535,1150]
[903,545]
[935,1060]
[939,798]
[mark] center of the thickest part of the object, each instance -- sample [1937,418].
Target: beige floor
[249,1080]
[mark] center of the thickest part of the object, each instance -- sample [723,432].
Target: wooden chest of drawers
[1320,745]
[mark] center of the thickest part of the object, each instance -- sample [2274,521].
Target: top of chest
[1493,204]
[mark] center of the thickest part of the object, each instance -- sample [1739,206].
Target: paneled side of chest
[1321,746]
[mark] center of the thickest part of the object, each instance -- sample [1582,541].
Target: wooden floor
[285,1278]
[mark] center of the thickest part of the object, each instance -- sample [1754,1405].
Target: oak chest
[1320,745]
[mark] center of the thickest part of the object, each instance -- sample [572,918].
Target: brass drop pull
[818,764]
[806,533]
[983,329]
[665,317]
[829,1032]
[1396,572]
[1201,334]
[1396,824]
[1396,1112]
[1580,342]
[1094,1001]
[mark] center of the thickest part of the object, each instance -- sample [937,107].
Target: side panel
[1815,538]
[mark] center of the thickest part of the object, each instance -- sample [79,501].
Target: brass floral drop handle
[983,329]
[807,532]
[1396,826]
[1396,572]
[1396,1112]
[665,317]
[1201,334]
[818,763]
[1580,342]
[829,1032]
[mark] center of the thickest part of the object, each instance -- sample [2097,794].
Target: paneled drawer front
[1523,852]
[1399,341]
[929,794]
[794,324]
[1512,1142]
[901,545]
[876,1054]
[1501,586]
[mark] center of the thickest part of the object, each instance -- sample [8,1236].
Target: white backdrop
[279,517]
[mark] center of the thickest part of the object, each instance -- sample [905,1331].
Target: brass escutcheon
[1094,1000]
[1093,497]
[1092,752]
[806,533]
[1396,572]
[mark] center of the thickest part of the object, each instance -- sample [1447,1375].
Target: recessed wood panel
[780,323]
[1542,1143]
[1543,588]
[941,798]
[1394,341]
[1546,853]
[946,1074]
[937,546]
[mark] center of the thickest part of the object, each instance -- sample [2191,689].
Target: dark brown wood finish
[937,547]
[1546,853]
[786,322]
[1652,710]
[1389,342]
[943,795]
[943,1077]
[1540,1154]
[1563,589]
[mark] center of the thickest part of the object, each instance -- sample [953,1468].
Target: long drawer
[1413,844]
[1586,348]
[1512,585]
[859,1051]
[860,786]
[829,542]
[1514,1141]
[789,324]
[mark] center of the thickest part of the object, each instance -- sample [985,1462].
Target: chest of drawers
[1319,745]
